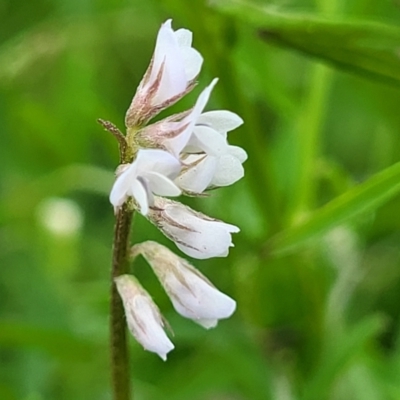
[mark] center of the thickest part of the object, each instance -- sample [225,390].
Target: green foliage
[316,267]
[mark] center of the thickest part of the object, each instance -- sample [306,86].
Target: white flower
[200,140]
[151,172]
[196,234]
[210,160]
[192,294]
[171,74]
[143,317]
[173,133]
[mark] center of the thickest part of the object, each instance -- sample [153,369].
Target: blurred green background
[316,266]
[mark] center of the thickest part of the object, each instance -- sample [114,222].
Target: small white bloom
[200,140]
[151,172]
[192,294]
[196,234]
[210,160]
[173,133]
[143,317]
[171,74]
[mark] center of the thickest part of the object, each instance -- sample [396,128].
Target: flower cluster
[186,153]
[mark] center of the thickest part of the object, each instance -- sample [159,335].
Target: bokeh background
[316,266]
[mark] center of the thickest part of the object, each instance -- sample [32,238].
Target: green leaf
[366,196]
[367,48]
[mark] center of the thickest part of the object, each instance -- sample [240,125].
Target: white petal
[173,80]
[161,185]
[121,187]
[184,37]
[165,41]
[221,120]
[157,161]
[201,102]
[238,152]
[192,58]
[228,171]
[139,192]
[193,61]
[198,300]
[143,317]
[175,145]
[202,238]
[148,330]
[197,178]
[207,140]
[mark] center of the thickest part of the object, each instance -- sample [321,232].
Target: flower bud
[143,316]
[191,293]
[196,234]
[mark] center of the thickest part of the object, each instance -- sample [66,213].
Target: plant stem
[118,338]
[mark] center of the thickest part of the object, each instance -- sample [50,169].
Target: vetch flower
[173,133]
[208,158]
[143,317]
[196,234]
[191,293]
[151,172]
[170,75]
[200,140]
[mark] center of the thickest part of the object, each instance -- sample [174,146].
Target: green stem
[118,332]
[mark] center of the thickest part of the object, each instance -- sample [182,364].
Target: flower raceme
[191,293]
[186,153]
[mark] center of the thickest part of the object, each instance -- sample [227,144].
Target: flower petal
[208,140]
[193,61]
[143,317]
[167,51]
[139,192]
[121,187]
[238,152]
[194,297]
[201,102]
[191,57]
[148,330]
[197,178]
[184,37]
[201,236]
[221,120]
[228,170]
[161,185]
[157,161]
[175,145]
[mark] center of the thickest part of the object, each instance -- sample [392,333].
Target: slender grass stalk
[118,332]
[308,140]
[310,126]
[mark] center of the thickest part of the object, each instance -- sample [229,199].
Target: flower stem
[118,338]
